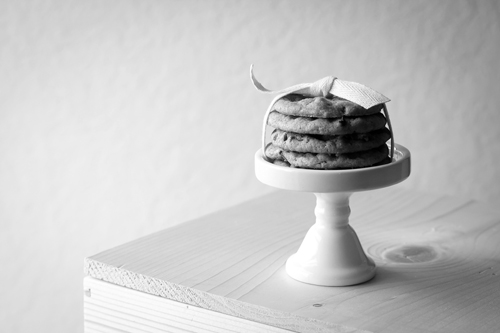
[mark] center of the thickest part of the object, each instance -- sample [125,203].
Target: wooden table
[438,270]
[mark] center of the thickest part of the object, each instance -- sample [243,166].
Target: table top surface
[437,257]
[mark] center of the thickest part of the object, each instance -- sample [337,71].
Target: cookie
[330,144]
[328,161]
[326,126]
[321,107]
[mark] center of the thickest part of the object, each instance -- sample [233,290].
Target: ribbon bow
[351,91]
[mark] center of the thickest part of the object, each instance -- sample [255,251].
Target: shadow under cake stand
[331,254]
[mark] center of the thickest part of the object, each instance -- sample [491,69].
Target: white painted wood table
[438,270]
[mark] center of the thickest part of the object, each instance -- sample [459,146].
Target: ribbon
[351,91]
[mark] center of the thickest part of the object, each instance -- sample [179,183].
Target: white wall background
[122,117]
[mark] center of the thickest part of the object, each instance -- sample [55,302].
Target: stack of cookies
[326,133]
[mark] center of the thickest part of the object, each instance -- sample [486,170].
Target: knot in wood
[411,254]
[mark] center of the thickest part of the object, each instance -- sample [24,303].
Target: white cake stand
[331,254]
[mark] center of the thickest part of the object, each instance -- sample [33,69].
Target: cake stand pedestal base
[331,254]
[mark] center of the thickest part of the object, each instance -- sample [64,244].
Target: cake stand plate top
[328,181]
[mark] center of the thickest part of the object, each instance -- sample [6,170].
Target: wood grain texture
[438,262]
[111,308]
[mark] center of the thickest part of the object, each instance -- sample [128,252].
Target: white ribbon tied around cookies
[351,91]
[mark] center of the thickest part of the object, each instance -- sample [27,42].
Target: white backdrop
[122,117]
